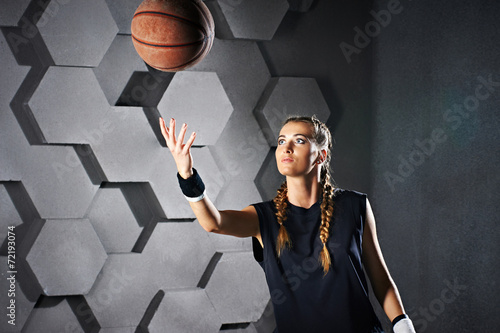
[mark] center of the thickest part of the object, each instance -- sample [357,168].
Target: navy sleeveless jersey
[304,299]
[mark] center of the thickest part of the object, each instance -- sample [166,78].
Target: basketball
[172,35]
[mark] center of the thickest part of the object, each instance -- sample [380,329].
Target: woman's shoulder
[264,206]
[341,193]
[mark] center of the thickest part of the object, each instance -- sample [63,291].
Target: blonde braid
[326,217]
[280,203]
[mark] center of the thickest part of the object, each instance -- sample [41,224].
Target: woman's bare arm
[383,286]
[244,223]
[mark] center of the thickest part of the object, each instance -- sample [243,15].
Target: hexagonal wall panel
[118,330]
[53,315]
[117,67]
[8,214]
[45,169]
[286,96]
[233,60]
[122,12]
[175,256]
[126,146]
[122,291]
[66,257]
[247,19]
[238,298]
[11,78]
[113,221]
[185,311]
[68,105]
[198,99]
[241,147]
[12,11]
[77,32]
[235,195]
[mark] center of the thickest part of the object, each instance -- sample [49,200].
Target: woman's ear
[322,156]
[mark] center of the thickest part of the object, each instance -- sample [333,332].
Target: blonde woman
[314,241]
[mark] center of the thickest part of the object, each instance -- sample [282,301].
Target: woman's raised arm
[244,223]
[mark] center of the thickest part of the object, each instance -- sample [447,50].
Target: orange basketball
[172,35]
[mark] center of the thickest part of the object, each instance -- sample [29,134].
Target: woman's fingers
[172,131]
[189,143]
[182,134]
[169,135]
[164,130]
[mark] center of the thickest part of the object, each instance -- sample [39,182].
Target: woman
[313,241]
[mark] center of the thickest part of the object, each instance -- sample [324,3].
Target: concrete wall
[435,160]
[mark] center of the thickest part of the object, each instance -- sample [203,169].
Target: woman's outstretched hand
[180,151]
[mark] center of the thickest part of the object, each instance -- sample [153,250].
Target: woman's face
[296,152]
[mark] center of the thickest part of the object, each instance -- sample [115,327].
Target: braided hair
[323,138]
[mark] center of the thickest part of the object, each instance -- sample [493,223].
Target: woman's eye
[301,141]
[281,141]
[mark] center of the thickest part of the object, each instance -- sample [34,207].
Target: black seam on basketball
[205,32]
[187,62]
[182,19]
[168,45]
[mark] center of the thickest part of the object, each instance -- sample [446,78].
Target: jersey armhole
[258,250]
[363,211]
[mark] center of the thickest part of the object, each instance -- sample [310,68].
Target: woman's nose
[287,148]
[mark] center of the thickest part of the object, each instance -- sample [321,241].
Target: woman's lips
[286,160]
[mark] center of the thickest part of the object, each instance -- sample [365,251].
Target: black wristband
[192,187]
[398,318]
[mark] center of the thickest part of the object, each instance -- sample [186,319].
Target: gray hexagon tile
[198,99]
[45,169]
[247,19]
[183,311]
[8,213]
[241,148]
[53,314]
[78,33]
[235,195]
[57,171]
[68,105]
[243,84]
[128,282]
[66,257]
[12,11]
[119,63]
[23,306]
[286,96]
[122,12]
[113,221]
[300,6]
[126,146]
[127,329]
[164,182]
[122,291]
[12,74]
[187,242]
[238,298]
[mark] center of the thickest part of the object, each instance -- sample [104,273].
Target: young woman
[313,241]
